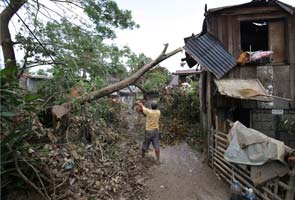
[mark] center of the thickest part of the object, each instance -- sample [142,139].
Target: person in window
[151,128]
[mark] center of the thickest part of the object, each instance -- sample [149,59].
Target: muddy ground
[182,174]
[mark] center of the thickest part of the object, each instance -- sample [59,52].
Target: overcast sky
[165,21]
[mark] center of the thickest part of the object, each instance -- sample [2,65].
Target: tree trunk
[59,111]
[5,37]
[132,79]
[145,92]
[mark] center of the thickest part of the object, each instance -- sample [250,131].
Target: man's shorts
[151,137]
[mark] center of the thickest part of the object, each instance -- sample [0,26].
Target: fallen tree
[58,111]
[146,92]
[132,79]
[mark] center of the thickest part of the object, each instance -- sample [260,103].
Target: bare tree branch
[46,8]
[24,176]
[69,2]
[36,16]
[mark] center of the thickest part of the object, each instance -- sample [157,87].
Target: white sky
[165,21]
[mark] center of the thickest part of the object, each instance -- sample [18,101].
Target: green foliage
[180,114]
[83,58]
[289,123]
[135,62]
[81,49]
[186,104]
[157,78]
[16,119]
[105,109]
[182,103]
[41,72]
[106,14]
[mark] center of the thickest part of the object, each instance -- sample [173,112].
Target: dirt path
[182,175]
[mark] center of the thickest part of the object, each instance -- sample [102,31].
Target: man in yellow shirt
[151,128]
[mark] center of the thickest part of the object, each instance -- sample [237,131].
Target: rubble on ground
[107,168]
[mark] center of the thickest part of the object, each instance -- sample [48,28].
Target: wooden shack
[184,76]
[266,25]
[258,25]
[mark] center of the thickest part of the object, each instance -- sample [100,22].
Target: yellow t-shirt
[152,118]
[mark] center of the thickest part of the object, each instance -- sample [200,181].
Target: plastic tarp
[265,155]
[251,147]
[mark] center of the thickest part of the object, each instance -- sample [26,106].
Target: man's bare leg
[157,152]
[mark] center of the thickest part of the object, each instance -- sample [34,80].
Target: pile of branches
[173,131]
[57,168]
[180,117]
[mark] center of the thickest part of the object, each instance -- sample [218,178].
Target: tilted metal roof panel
[209,52]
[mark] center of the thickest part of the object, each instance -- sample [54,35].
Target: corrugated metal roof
[233,88]
[255,3]
[209,52]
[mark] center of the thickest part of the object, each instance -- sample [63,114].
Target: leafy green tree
[135,61]
[41,72]
[101,19]
[157,78]
[78,53]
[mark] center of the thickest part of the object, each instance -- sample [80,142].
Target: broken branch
[23,176]
[132,79]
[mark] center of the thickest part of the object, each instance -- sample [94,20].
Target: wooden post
[210,131]
[209,100]
[291,42]
[291,191]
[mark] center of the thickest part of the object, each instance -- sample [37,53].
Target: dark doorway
[254,35]
[243,116]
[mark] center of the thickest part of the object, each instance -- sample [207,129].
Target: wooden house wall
[291,26]
[226,27]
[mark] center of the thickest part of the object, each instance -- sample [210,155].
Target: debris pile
[173,131]
[107,168]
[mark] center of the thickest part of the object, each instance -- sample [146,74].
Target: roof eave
[286,7]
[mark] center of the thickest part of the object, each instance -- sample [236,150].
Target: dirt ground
[182,174]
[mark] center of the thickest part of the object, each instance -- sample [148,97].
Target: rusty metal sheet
[210,53]
[232,87]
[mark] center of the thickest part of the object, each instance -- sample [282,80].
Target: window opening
[254,35]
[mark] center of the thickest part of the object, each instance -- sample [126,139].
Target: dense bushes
[180,114]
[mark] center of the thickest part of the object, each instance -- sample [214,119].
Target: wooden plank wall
[291,28]
[226,27]
[277,41]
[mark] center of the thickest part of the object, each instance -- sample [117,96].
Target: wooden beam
[291,38]
[252,16]
[209,99]
[252,10]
